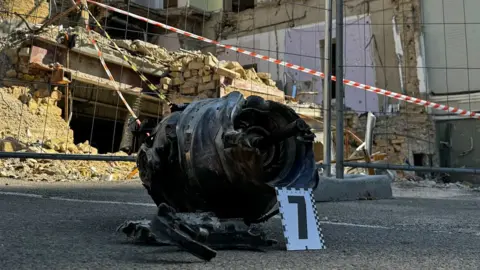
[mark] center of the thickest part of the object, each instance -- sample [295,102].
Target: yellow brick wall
[34,11]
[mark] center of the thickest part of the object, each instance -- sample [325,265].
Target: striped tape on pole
[299,68]
[107,70]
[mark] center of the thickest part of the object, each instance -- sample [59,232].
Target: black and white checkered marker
[301,226]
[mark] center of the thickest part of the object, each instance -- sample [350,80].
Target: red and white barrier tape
[109,74]
[300,68]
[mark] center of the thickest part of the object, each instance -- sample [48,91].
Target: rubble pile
[398,135]
[64,170]
[395,135]
[190,73]
[30,115]
[30,121]
[199,75]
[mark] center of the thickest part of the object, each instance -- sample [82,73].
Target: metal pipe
[383,166]
[66,156]
[327,88]
[339,91]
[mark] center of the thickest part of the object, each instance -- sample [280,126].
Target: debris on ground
[30,121]
[419,182]
[64,170]
[189,73]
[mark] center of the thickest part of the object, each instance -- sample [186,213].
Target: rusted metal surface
[225,156]
[60,76]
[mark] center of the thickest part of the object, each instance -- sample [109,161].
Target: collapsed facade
[420,48]
[383,42]
[382,48]
[71,84]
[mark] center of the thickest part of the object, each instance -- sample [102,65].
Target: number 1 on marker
[302,215]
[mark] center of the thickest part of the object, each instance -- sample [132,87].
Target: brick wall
[417,128]
[34,11]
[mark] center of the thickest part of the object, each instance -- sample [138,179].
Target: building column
[227,5]
[418,124]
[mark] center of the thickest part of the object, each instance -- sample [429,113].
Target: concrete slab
[354,187]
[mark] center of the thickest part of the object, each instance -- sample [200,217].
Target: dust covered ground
[30,121]
[72,226]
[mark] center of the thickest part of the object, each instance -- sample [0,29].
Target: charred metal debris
[212,166]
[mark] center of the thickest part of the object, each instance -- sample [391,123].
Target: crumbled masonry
[28,118]
[188,73]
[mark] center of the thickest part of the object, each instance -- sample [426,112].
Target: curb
[354,187]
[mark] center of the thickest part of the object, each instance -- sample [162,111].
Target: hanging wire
[93,119]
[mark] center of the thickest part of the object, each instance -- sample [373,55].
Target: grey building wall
[451,31]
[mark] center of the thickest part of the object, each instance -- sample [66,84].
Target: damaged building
[184,76]
[55,72]
[383,41]
[381,47]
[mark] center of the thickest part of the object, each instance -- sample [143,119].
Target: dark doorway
[333,62]
[105,133]
[418,159]
[241,5]
[334,73]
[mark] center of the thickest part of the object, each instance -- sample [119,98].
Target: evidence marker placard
[301,226]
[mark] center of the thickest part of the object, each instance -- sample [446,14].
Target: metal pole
[384,166]
[339,90]
[327,88]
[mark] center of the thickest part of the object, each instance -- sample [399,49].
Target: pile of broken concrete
[190,73]
[30,121]
[61,170]
[199,75]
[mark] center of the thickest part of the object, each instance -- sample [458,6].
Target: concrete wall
[154,4]
[169,41]
[302,45]
[366,46]
[462,151]
[207,5]
[451,34]
[387,53]
[34,11]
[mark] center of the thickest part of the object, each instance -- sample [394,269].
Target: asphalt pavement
[72,226]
